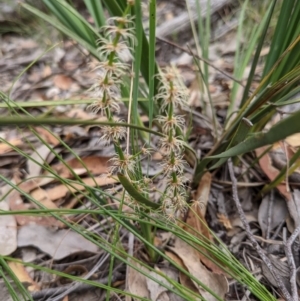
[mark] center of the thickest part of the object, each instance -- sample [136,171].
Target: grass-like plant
[107,41]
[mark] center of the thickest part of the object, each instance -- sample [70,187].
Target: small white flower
[169,210]
[172,95]
[105,86]
[113,133]
[169,144]
[174,164]
[176,185]
[122,165]
[146,151]
[113,70]
[101,105]
[171,124]
[172,91]
[107,47]
[121,27]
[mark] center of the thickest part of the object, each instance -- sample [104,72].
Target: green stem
[114,247]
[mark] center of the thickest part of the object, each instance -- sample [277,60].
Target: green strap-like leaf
[67,31]
[96,10]
[281,130]
[239,137]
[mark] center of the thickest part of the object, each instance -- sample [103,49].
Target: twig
[130,254]
[291,262]
[254,243]
[201,59]
[65,290]
[278,229]
[47,293]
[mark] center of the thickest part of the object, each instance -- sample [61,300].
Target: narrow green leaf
[152,40]
[96,10]
[264,26]
[25,121]
[18,284]
[238,60]
[71,19]
[113,7]
[240,135]
[279,131]
[282,29]
[137,58]
[91,48]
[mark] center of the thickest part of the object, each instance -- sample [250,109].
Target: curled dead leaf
[197,226]
[23,276]
[190,258]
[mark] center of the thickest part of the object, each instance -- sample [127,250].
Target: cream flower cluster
[117,37]
[172,95]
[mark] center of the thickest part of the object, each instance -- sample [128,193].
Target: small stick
[276,233]
[47,293]
[254,243]
[291,262]
[73,287]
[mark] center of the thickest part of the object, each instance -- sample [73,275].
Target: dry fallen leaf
[195,221]
[190,258]
[23,276]
[224,220]
[137,282]
[8,231]
[154,288]
[31,184]
[38,158]
[184,279]
[278,213]
[197,226]
[271,172]
[56,243]
[235,221]
[43,197]
[6,147]
[61,191]
[16,202]
[202,193]
[293,140]
[290,152]
[48,136]
[47,71]
[62,81]
[94,164]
